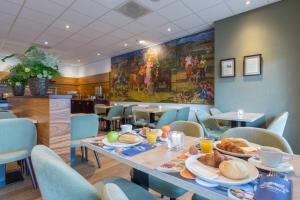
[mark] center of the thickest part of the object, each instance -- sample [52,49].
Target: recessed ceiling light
[67,26]
[46,43]
[248,2]
[98,54]
[142,42]
[169,29]
[125,44]
[78,60]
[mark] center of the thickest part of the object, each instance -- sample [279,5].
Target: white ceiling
[96,28]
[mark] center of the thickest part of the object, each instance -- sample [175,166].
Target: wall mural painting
[179,71]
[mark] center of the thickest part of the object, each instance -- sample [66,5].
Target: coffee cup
[126,128]
[272,157]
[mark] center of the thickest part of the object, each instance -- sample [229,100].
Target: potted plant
[17,79]
[39,67]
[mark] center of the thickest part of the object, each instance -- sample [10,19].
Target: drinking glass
[151,137]
[206,145]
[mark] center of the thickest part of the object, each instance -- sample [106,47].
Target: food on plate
[213,159]
[234,169]
[112,136]
[176,166]
[193,150]
[165,130]
[237,141]
[187,174]
[145,130]
[129,138]
[231,147]
[249,150]
[182,157]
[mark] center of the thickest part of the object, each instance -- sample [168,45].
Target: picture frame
[252,65]
[227,68]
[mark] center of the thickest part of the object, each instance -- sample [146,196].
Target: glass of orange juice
[206,145]
[151,137]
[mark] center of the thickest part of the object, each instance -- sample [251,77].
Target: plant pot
[18,90]
[38,86]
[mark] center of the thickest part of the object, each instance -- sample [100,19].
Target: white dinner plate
[235,154]
[213,175]
[283,167]
[121,144]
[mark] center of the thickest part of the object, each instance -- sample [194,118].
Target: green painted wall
[274,31]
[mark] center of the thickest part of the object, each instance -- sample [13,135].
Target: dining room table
[152,111]
[237,119]
[148,163]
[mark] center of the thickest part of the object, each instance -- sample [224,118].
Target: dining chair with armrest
[7,115]
[59,181]
[216,111]
[189,128]
[83,126]
[167,118]
[114,114]
[259,136]
[278,124]
[210,126]
[128,115]
[183,114]
[17,138]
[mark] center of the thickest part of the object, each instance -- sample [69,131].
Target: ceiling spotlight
[78,60]
[67,26]
[169,29]
[248,2]
[142,42]
[46,43]
[98,54]
[125,44]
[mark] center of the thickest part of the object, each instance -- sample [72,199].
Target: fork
[272,173]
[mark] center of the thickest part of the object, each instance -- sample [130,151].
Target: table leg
[234,124]
[243,124]
[2,175]
[140,178]
[152,117]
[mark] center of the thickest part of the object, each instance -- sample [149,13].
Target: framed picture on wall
[253,65]
[227,68]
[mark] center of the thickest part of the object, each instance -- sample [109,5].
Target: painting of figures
[179,71]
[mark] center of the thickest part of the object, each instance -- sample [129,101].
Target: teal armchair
[278,124]
[7,115]
[128,115]
[17,138]
[114,114]
[59,181]
[167,118]
[83,126]
[183,114]
[189,128]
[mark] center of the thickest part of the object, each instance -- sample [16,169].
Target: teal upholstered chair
[114,114]
[17,138]
[167,118]
[7,115]
[140,119]
[99,110]
[210,126]
[189,128]
[59,181]
[83,126]
[216,111]
[128,115]
[183,114]
[278,124]
[259,136]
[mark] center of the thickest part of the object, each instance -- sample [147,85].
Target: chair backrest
[57,180]
[278,124]
[115,111]
[167,118]
[98,109]
[128,110]
[183,114]
[84,126]
[189,128]
[17,134]
[206,122]
[259,136]
[214,111]
[7,115]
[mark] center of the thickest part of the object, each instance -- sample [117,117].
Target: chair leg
[73,156]
[2,175]
[97,159]
[172,198]
[82,154]
[161,196]
[86,153]
[31,171]
[22,166]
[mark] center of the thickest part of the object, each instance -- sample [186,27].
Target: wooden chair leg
[31,171]
[97,159]
[86,153]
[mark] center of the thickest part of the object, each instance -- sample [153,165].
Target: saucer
[283,167]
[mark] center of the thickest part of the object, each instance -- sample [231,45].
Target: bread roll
[237,141]
[233,169]
[129,138]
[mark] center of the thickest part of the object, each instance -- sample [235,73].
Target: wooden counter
[53,114]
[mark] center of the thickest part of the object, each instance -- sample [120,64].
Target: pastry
[129,138]
[231,145]
[237,141]
[212,159]
[193,150]
[233,169]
